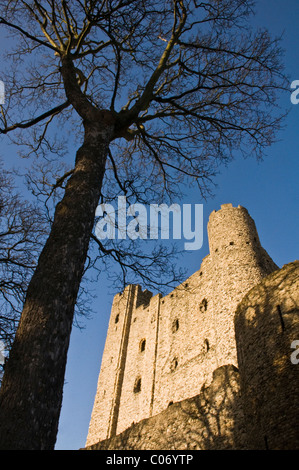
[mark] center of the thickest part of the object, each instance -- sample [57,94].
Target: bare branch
[28,35]
[32,122]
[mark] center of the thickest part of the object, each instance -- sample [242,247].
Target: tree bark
[31,392]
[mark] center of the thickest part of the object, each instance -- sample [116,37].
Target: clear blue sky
[269,190]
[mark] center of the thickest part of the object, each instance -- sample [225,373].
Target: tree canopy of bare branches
[22,234]
[159,93]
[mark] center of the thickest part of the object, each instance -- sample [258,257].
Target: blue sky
[269,190]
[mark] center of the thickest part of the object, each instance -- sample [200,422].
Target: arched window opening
[117,318]
[142,345]
[207,345]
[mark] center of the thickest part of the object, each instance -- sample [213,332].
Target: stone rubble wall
[212,420]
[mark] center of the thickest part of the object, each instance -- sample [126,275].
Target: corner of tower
[121,296]
[143,297]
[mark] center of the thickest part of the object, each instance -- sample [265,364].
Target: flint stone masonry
[163,350]
[267,322]
[212,420]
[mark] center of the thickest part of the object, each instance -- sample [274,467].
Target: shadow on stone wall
[266,324]
[212,420]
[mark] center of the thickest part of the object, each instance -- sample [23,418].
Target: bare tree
[159,93]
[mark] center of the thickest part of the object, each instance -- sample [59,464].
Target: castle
[208,365]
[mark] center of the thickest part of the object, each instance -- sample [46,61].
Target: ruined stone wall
[163,349]
[212,420]
[267,323]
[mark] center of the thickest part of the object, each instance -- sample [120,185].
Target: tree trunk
[32,388]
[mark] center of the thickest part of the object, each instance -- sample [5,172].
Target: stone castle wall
[161,350]
[267,323]
[211,420]
[253,407]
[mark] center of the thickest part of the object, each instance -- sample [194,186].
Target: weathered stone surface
[212,420]
[267,323]
[164,350]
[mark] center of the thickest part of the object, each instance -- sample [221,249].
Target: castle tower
[161,350]
[119,357]
[106,405]
[239,263]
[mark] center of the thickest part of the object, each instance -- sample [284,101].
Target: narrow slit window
[174,364]
[175,325]
[280,318]
[137,385]
[142,345]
